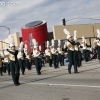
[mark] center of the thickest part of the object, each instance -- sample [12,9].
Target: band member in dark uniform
[37,58]
[76,51]
[27,58]
[1,65]
[7,63]
[54,54]
[97,43]
[21,58]
[48,54]
[70,45]
[13,61]
[85,48]
[60,54]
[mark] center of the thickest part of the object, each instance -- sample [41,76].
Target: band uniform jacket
[48,53]
[36,53]
[60,51]
[1,61]
[20,55]
[28,55]
[70,45]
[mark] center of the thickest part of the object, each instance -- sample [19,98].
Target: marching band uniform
[54,55]
[79,55]
[76,49]
[41,56]
[37,58]
[84,47]
[88,52]
[20,57]
[48,54]
[70,45]
[14,67]
[27,58]
[14,64]
[7,63]
[60,54]
[1,64]
[97,42]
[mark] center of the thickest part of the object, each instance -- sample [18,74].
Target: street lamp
[6,28]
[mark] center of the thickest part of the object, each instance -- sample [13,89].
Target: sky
[16,13]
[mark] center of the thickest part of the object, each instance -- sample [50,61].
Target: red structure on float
[36,30]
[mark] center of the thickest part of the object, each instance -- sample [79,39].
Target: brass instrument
[98,42]
[11,56]
[7,59]
[29,56]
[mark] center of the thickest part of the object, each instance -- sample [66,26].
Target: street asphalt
[54,84]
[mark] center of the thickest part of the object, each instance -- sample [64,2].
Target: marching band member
[76,49]
[1,64]
[60,53]
[42,56]
[20,57]
[84,47]
[97,42]
[54,55]
[13,61]
[7,63]
[70,45]
[37,58]
[48,54]
[27,57]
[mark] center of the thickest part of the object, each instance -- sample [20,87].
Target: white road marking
[50,84]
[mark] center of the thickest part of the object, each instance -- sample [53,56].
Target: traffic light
[64,21]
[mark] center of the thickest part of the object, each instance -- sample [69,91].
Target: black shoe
[76,72]
[23,73]
[16,84]
[8,73]
[1,74]
[39,73]
[69,72]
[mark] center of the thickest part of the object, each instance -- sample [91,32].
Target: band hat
[12,45]
[48,44]
[53,42]
[75,35]
[67,33]
[59,42]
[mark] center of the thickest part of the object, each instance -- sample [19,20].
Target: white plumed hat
[83,39]
[21,46]
[59,42]
[11,45]
[35,43]
[53,42]
[11,40]
[98,33]
[67,33]
[47,43]
[75,35]
[40,48]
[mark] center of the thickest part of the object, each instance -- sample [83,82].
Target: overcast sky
[53,11]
